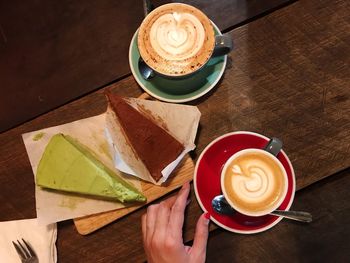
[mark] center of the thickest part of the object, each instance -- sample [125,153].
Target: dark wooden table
[288,77]
[54,52]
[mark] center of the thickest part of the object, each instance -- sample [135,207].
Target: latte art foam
[177,36]
[176,39]
[254,182]
[254,186]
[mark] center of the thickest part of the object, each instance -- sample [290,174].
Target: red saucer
[207,181]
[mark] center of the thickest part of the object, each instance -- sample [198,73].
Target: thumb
[201,237]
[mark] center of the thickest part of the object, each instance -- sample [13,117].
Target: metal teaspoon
[221,206]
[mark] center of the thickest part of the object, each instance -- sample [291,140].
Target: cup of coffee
[176,40]
[254,182]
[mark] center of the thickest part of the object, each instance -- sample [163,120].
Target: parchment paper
[54,206]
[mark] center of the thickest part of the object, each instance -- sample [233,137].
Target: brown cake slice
[150,143]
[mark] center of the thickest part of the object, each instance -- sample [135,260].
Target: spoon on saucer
[221,206]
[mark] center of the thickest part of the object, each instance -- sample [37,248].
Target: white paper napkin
[41,238]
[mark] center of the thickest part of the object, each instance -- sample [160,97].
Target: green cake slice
[67,165]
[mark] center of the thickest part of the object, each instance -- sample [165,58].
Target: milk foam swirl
[253,183]
[177,36]
[176,39]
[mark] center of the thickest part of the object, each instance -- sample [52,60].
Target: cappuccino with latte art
[254,182]
[176,39]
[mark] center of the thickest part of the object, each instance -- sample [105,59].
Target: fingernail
[207,217]
[188,202]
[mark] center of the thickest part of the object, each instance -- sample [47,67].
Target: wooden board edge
[89,224]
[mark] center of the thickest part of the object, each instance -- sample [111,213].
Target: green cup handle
[223,45]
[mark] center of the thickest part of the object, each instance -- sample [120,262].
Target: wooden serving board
[183,173]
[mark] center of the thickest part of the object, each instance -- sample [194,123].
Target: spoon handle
[294,215]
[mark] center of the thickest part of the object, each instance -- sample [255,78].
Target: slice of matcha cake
[67,165]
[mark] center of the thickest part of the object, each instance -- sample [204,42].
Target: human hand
[162,232]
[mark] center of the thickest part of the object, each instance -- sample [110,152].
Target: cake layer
[67,165]
[152,144]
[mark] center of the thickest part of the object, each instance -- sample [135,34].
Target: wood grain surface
[227,14]
[287,77]
[53,52]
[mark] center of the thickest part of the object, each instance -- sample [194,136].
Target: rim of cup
[282,196]
[185,75]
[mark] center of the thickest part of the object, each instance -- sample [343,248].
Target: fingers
[156,222]
[144,235]
[170,201]
[162,221]
[177,212]
[201,237]
[150,222]
[188,249]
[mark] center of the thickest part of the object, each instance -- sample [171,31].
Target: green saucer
[178,90]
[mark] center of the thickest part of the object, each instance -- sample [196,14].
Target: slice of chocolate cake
[150,143]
